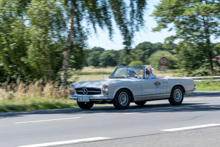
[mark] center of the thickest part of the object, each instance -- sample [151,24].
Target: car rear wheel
[85,105]
[122,99]
[177,95]
[140,103]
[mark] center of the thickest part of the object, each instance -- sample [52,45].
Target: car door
[154,89]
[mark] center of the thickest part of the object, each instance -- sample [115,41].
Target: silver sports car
[130,84]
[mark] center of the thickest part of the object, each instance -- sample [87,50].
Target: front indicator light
[105,89]
[72,90]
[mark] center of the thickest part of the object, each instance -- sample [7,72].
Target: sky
[101,39]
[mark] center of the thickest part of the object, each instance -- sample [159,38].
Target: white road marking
[66,142]
[25,122]
[190,128]
[130,113]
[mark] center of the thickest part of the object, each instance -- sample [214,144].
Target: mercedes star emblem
[85,90]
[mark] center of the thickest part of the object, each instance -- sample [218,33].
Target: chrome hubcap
[178,95]
[123,98]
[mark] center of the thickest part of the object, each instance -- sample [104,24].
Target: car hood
[99,83]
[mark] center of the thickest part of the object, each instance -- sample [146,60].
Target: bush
[133,63]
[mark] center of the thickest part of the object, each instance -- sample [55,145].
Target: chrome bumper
[101,97]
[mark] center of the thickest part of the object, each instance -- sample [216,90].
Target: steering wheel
[137,76]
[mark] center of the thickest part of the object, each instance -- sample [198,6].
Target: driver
[149,74]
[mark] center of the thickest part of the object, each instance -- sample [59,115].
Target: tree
[137,55]
[147,47]
[195,21]
[13,38]
[30,40]
[46,22]
[108,58]
[77,56]
[93,56]
[124,57]
[153,60]
[100,13]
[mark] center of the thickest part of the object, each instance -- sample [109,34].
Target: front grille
[91,91]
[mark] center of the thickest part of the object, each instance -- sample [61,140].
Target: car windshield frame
[128,68]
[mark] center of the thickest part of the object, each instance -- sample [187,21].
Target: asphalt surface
[194,123]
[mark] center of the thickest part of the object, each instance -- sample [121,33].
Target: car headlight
[72,89]
[105,89]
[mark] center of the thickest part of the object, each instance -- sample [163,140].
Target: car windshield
[128,72]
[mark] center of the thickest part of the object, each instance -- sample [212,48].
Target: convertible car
[130,84]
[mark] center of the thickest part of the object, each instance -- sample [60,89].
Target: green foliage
[195,22]
[133,63]
[45,55]
[77,57]
[93,56]
[207,85]
[32,39]
[13,40]
[99,57]
[153,60]
[137,54]
[200,72]
[36,104]
[124,57]
[108,58]
[149,48]
[217,49]
[2,74]
[33,33]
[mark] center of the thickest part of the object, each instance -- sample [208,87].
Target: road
[194,123]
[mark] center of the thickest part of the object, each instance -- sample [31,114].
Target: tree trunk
[208,42]
[210,55]
[67,49]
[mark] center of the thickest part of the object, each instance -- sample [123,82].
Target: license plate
[83,99]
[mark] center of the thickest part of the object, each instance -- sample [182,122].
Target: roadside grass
[36,104]
[207,85]
[34,95]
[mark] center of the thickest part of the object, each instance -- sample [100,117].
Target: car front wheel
[177,95]
[122,99]
[85,105]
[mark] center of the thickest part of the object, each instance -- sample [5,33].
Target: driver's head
[148,71]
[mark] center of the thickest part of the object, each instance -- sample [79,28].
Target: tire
[177,95]
[140,103]
[85,105]
[122,99]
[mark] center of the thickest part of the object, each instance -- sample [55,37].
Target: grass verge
[36,104]
[207,85]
